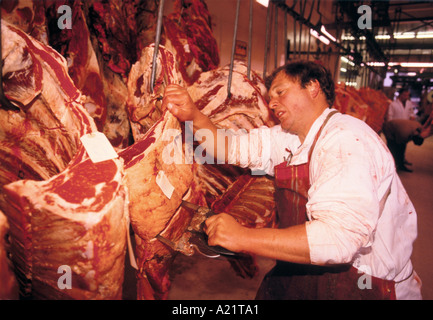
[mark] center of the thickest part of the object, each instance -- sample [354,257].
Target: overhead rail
[317,27]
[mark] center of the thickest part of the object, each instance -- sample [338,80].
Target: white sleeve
[258,150]
[343,202]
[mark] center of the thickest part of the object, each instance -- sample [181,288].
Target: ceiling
[398,34]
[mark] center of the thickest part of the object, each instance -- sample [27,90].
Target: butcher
[346,224]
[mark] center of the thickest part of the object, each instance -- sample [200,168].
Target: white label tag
[165,185]
[98,147]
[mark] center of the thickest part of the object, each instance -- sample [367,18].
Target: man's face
[404,96]
[289,102]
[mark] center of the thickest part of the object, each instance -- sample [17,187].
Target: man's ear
[314,88]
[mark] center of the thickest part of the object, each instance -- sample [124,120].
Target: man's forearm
[290,244]
[219,142]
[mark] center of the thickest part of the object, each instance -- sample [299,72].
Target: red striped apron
[288,281]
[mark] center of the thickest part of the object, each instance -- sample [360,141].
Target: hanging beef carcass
[73,42]
[9,286]
[75,218]
[348,101]
[151,218]
[366,104]
[189,36]
[39,137]
[69,232]
[229,188]
[144,107]
[244,110]
[119,31]
[378,104]
[149,166]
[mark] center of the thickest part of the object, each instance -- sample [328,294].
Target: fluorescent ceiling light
[263,2]
[343,69]
[417,64]
[323,29]
[383,36]
[424,35]
[376,64]
[411,64]
[345,37]
[321,38]
[406,35]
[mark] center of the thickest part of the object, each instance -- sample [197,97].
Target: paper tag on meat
[165,185]
[98,147]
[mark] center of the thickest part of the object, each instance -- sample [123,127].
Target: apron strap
[320,131]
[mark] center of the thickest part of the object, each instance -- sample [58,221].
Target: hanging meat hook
[5,103]
[276,38]
[233,50]
[250,40]
[267,37]
[157,41]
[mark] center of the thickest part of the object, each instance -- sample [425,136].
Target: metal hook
[267,37]
[250,40]
[233,49]
[157,41]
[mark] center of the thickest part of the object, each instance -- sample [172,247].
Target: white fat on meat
[77,219]
[43,135]
[244,110]
[143,105]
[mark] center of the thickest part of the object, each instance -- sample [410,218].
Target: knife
[195,235]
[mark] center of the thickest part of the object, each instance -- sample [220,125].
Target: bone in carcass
[9,286]
[189,35]
[39,138]
[119,31]
[144,106]
[68,233]
[147,160]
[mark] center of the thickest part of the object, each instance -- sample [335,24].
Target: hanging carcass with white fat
[41,134]
[156,184]
[69,233]
[9,286]
[63,215]
[228,188]
[200,184]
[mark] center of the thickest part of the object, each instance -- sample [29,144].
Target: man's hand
[223,230]
[178,101]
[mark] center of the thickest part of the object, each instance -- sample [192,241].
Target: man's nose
[273,103]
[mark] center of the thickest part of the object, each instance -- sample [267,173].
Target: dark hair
[304,72]
[404,89]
